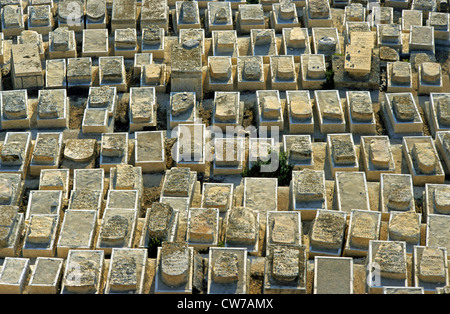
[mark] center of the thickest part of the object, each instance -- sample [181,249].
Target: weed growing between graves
[283,173]
[153,245]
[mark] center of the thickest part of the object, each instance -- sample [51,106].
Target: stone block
[295,42]
[16,112]
[40,19]
[220,74]
[351,191]
[327,233]
[228,271]
[218,195]
[312,68]
[325,40]
[56,74]
[411,18]
[149,151]
[202,228]
[52,109]
[284,228]
[71,15]
[40,237]
[12,20]
[364,226]
[401,115]
[55,179]
[405,226]
[62,43]
[15,153]
[154,75]
[161,222]
[360,112]
[250,73]
[191,147]
[46,276]
[44,202]
[396,194]
[283,73]
[269,110]
[248,17]
[300,112]
[227,110]
[112,72]
[430,268]
[436,231]
[142,108]
[124,14]
[376,156]
[241,229]
[82,272]
[342,153]
[155,12]
[125,43]
[47,152]
[14,275]
[443,146]
[284,15]
[153,41]
[96,14]
[430,78]
[114,150]
[79,72]
[89,179]
[84,199]
[12,225]
[299,151]
[218,16]
[77,232]
[186,68]
[329,111]
[261,194]
[186,15]
[317,13]
[333,275]
[307,191]
[228,156]
[224,44]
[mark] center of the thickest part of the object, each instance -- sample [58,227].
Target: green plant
[153,244]
[283,172]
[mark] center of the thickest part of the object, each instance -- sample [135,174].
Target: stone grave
[430,268]
[312,68]
[329,111]
[155,12]
[437,112]
[263,43]
[218,195]
[126,177]
[220,74]
[77,232]
[12,188]
[300,112]
[40,19]
[89,179]
[40,237]
[154,75]
[70,14]
[191,147]
[430,78]
[299,150]
[424,5]
[218,16]
[141,59]
[351,191]
[84,199]
[410,18]
[360,29]
[283,73]
[327,233]
[283,228]
[16,153]
[174,268]
[124,14]
[96,121]
[443,146]
[62,43]
[436,200]
[114,150]
[126,274]
[341,152]
[285,269]
[386,265]
[354,12]
[178,183]
[12,20]
[261,194]
[248,17]
[142,108]
[202,228]
[44,202]
[284,15]
[295,42]
[325,40]
[440,21]
[422,159]
[224,44]
[52,109]
[390,35]
[182,109]
[376,156]
[161,222]
[401,115]
[186,67]
[186,15]
[96,14]
[229,157]
[123,199]
[16,110]
[364,226]
[241,229]
[402,290]
[406,227]
[83,272]
[149,151]
[153,41]
[421,38]
[12,226]
[46,276]
[333,275]
[55,179]
[360,112]
[56,73]
[79,154]
[250,73]
[317,13]
[437,231]
[112,72]
[308,192]
[228,271]
[381,16]
[269,110]
[399,77]
[235,3]
[396,194]
[32,37]
[117,229]
[125,43]
[227,110]
[79,72]
[13,276]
